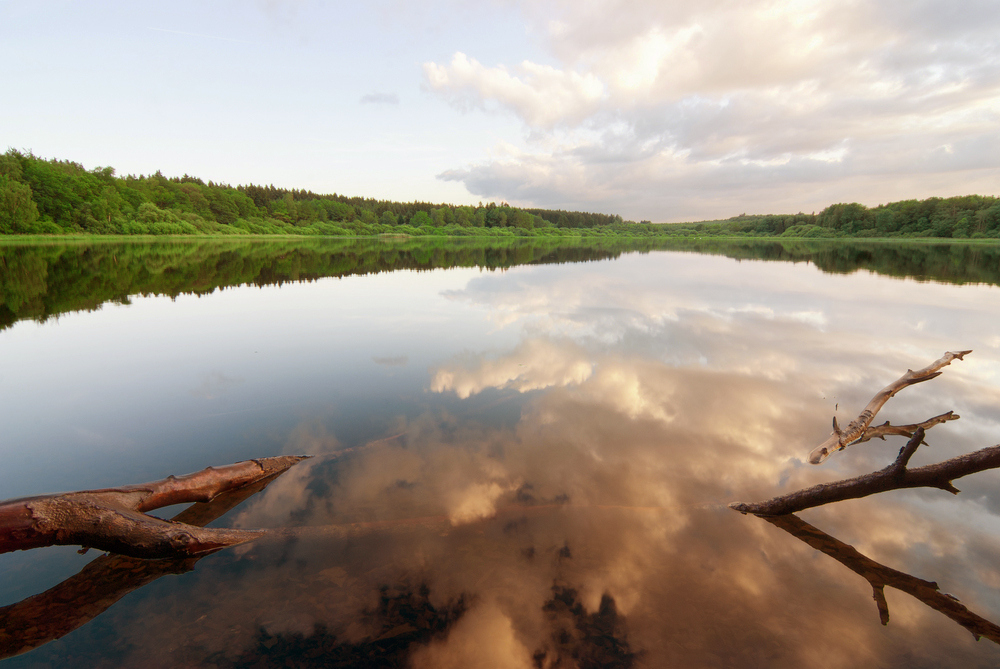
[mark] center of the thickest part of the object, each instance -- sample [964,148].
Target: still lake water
[523,455]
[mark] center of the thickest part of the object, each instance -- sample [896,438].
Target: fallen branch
[885,429]
[879,576]
[857,429]
[114,519]
[894,477]
[63,608]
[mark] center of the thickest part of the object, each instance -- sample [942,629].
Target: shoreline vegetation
[47,198]
[42,280]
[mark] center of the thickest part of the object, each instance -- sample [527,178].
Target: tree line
[39,196]
[963,217]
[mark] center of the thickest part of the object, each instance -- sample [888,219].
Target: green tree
[420,219]
[17,208]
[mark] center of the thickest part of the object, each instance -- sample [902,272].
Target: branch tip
[878,594]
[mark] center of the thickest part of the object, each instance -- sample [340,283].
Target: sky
[652,109]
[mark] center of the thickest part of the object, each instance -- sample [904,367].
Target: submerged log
[63,608]
[114,519]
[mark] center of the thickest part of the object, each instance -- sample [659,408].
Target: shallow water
[520,466]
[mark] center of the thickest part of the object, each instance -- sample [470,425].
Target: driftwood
[859,429]
[779,510]
[894,477]
[63,608]
[114,519]
[879,576]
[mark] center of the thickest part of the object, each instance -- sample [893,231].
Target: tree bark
[114,519]
[63,608]
[894,477]
[856,430]
[879,576]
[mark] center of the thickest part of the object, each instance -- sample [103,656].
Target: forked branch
[77,600]
[894,477]
[114,519]
[859,429]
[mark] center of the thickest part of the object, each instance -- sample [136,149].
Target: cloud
[663,112]
[535,364]
[485,638]
[616,513]
[542,95]
[380,99]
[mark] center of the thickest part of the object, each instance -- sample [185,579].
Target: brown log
[879,576]
[894,477]
[855,431]
[63,608]
[113,519]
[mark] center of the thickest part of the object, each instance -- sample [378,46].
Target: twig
[855,431]
[885,429]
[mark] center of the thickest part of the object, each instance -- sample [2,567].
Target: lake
[522,455]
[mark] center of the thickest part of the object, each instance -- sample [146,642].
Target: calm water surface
[533,462]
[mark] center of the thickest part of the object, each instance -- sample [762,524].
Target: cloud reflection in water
[651,393]
[636,431]
[594,492]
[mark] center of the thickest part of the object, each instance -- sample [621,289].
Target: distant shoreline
[62,198]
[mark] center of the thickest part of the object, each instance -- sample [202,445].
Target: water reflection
[879,576]
[38,281]
[58,611]
[589,528]
[548,487]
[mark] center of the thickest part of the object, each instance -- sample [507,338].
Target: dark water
[523,455]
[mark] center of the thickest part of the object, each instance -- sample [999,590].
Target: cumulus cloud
[542,95]
[535,364]
[668,112]
[485,638]
[587,516]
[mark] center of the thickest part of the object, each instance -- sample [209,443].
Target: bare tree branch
[879,576]
[885,429]
[113,519]
[894,477]
[855,431]
[59,610]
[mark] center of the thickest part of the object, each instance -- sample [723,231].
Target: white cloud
[534,365]
[817,101]
[542,95]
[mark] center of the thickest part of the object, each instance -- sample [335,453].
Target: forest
[963,217]
[40,196]
[59,197]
